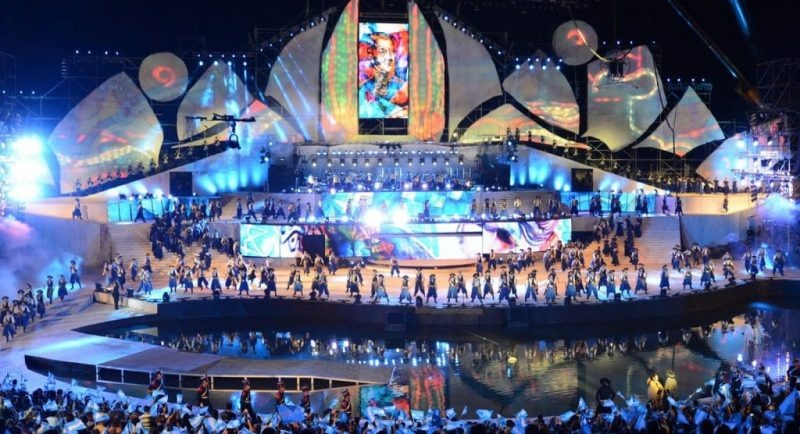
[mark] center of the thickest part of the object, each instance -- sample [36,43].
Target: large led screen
[383,70]
[504,237]
[395,205]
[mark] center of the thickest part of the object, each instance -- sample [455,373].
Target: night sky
[41,32]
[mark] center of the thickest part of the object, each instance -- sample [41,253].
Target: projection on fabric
[471,73]
[382,70]
[575,42]
[729,156]
[294,79]
[339,111]
[544,90]
[620,110]
[219,90]
[163,77]
[493,127]
[395,206]
[693,123]
[426,84]
[504,237]
[111,128]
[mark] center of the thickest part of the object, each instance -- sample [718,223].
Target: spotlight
[366,162]
[446,161]
[421,161]
[460,160]
[341,161]
[410,162]
[200,63]
[313,162]
[355,162]
[396,161]
[380,161]
[329,163]
[434,161]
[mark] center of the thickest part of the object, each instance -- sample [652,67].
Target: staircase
[131,240]
[659,235]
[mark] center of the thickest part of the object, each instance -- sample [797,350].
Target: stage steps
[659,235]
[132,240]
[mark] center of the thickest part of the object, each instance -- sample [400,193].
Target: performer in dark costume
[203,392]
[245,403]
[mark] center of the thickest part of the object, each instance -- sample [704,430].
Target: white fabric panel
[693,123]
[729,155]
[715,230]
[545,91]
[621,110]
[294,79]
[472,74]
[114,126]
[492,126]
[219,90]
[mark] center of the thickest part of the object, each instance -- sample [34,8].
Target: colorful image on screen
[260,240]
[382,70]
[504,237]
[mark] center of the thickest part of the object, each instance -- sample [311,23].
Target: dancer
[404,293]
[532,288]
[431,289]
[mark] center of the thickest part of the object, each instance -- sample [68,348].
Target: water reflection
[507,371]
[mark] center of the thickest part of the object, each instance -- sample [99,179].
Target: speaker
[180,184]
[582,180]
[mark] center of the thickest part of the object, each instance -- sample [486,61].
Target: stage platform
[425,264]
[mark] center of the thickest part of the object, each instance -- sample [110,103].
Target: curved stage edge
[131,370]
[667,310]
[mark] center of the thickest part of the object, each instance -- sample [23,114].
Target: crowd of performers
[570,269]
[23,310]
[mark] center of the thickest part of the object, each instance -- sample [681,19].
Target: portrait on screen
[382,70]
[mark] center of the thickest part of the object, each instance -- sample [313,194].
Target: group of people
[22,311]
[739,400]
[112,177]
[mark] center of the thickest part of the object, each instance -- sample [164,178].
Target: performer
[322,285]
[50,287]
[245,404]
[479,265]
[591,287]
[487,285]
[380,290]
[624,284]
[461,285]
[419,287]
[431,289]
[687,279]
[476,288]
[73,275]
[62,287]
[298,286]
[395,267]
[641,280]
[664,283]
[532,288]
[452,288]
[404,293]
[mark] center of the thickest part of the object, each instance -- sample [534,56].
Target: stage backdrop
[406,241]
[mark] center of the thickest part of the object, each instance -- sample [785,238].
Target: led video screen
[503,237]
[383,71]
[276,241]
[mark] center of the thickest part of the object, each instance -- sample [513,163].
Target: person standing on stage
[461,286]
[139,213]
[395,267]
[641,280]
[476,288]
[419,286]
[380,290]
[431,289]
[73,275]
[664,283]
[452,288]
[532,287]
[280,395]
[62,287]
[488,286]
[305,401]
[50,288]
[345,407]
[404,293]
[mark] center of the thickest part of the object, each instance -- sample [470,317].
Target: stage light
[341,161]
[380,161]
[377,185]
[407,186]
[216,63]
[355,162]
[424,185]
[421,161]
[460,160]
[366,162]
[328,163]
[229,63]
[396,161]
[434,161]
[410,162]
[313,162]
[200,63]
[446,161]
